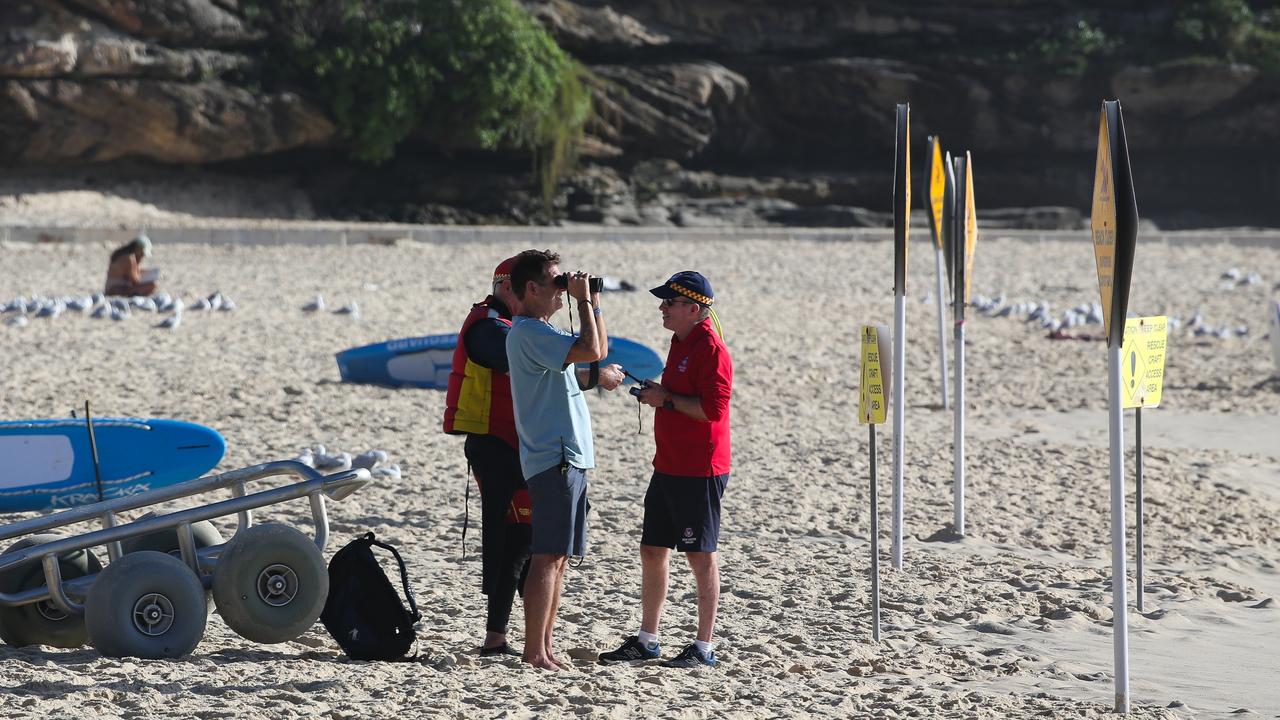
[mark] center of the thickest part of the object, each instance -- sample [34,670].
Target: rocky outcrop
[95,81]
[756,112]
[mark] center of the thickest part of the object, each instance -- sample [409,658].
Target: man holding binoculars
[554,428]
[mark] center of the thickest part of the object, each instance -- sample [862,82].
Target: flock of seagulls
[377,462]
[1090,313]
[316,305]
[20,310]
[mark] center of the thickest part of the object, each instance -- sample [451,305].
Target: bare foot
[542,663]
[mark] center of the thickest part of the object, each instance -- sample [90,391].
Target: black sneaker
[632,651]
[691,657]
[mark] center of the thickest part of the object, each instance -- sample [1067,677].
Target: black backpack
[364,612]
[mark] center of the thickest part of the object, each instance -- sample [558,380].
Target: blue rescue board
[425,362]
[48,464]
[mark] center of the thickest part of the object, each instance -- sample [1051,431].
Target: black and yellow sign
[936,190]
[949,230]
[966,221]
[1114,220]
[1142,361]
[901,196]
[874,388]
[970,219]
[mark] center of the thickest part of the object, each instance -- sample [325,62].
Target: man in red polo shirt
[690,469]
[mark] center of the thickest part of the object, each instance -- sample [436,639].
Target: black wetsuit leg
[504,546]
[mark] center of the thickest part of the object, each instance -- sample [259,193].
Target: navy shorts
[560,510]
[683,512]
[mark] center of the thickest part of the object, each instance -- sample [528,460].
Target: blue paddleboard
[48,464]
[425,362]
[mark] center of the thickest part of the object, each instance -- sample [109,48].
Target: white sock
[705,648]
[647,639]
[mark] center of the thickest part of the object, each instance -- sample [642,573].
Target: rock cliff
[707,111]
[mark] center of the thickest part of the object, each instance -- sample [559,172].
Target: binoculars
[597,283]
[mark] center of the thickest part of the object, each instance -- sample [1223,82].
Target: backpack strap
[404,575]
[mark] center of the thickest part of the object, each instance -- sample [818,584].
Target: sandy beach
[1013,621]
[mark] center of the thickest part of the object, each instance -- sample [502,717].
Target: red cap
[503,271]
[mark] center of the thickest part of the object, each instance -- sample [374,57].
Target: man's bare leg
[541,590]
[653,585]
[706,573]
[554,610]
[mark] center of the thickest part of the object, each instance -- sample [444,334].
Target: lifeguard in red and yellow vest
[478,405]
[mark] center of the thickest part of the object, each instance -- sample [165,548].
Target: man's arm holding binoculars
[592,345]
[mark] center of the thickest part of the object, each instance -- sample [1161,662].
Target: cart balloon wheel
[270,583]
[166,541]
[43,623]
[146,604]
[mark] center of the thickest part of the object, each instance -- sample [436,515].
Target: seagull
[1242,330]
[350,308]
[50,309]
[17,321]
[370,460]
[215,300]
[1231,274]
[177,305]
[100,310]
[306,458]
[117,314]
[200,304]
[391,472]
[172,322]
[163,301]
[1252,278]
[227,304]
[337,463]
[927,299]
[315,305]
[143,303]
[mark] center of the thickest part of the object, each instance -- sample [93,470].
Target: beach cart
[167,571]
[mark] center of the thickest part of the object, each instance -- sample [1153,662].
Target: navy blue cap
[689,284]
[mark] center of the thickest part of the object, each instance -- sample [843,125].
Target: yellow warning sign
[937,189]
[970,225]
[1142,361]
[874,387]
[1103,221]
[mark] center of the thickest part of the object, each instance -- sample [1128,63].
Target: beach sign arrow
[1142,361]
[1114,219]
[874,387]
[970,219]
[901,196]
[949,224]
[936,191]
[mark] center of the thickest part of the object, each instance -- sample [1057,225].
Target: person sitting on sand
[124,273]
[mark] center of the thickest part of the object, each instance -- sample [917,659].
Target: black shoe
[691,657]
[503,649]
[632,651]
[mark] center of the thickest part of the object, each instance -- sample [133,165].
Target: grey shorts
[560,510]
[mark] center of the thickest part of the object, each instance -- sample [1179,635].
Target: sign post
[871,412]
[1275,334]
[935,193]
[1141,381]
[1114,222]
[901,221]
[965,223]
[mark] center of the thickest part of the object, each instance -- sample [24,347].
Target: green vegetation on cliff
[1199,31]
[465,74]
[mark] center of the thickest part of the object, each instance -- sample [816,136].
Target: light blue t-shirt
[551,412]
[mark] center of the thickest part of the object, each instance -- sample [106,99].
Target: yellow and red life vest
[478,399]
